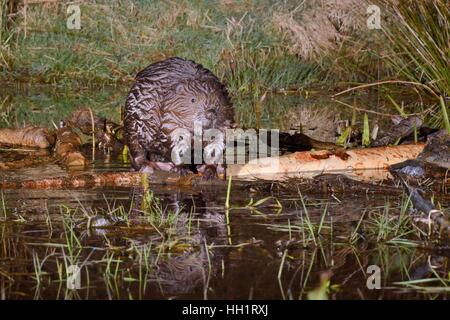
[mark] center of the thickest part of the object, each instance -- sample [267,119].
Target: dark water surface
[180,242]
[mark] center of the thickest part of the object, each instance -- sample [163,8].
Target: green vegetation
[177,242]
[117,39]
[421,42]
[255,47]
[126,252]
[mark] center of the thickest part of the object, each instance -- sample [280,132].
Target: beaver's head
[201,101]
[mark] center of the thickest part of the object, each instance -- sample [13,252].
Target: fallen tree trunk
[28,137]
[370,164]
[361,164]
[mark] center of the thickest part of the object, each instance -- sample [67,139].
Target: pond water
[274,242]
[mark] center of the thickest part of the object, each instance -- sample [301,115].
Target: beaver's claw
[182,170]
[208,171]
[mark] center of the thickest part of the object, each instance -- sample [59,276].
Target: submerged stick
[436,220]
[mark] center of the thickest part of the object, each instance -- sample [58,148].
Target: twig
[386,82]
[93,134]
[364,110]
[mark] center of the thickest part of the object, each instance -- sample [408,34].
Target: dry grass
[315,121]
[322,28]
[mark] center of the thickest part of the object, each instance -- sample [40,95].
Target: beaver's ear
[180,87]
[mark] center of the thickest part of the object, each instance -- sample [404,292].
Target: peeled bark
[28,137]
[370,164]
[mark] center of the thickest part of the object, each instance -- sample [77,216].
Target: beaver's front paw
[150,167]
[182,170]
[147,169]
[208,171]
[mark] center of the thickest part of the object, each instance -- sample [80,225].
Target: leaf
[366,131]
[320,293]
[343,138]
[445,114]
[399,109]
[261,201]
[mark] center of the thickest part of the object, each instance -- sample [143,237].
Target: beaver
[166,96]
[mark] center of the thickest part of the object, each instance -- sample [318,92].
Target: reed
[420,38]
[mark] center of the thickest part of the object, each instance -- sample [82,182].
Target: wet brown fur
[168,95]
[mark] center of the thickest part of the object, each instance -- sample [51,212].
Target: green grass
[133,253]
[420,40]
[117,40]
[114,263]
[240,41]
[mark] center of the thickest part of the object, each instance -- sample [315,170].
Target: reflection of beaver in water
[169,95]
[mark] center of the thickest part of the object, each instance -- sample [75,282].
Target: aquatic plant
[420,38]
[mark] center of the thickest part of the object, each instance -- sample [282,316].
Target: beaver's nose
[211,114]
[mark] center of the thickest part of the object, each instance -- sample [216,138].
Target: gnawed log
[28,136]
[369,165]
[361,164]
[67,148]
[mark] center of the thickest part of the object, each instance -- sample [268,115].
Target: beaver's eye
[193,100]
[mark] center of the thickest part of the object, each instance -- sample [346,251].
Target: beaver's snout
[211,117]
[207,117]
